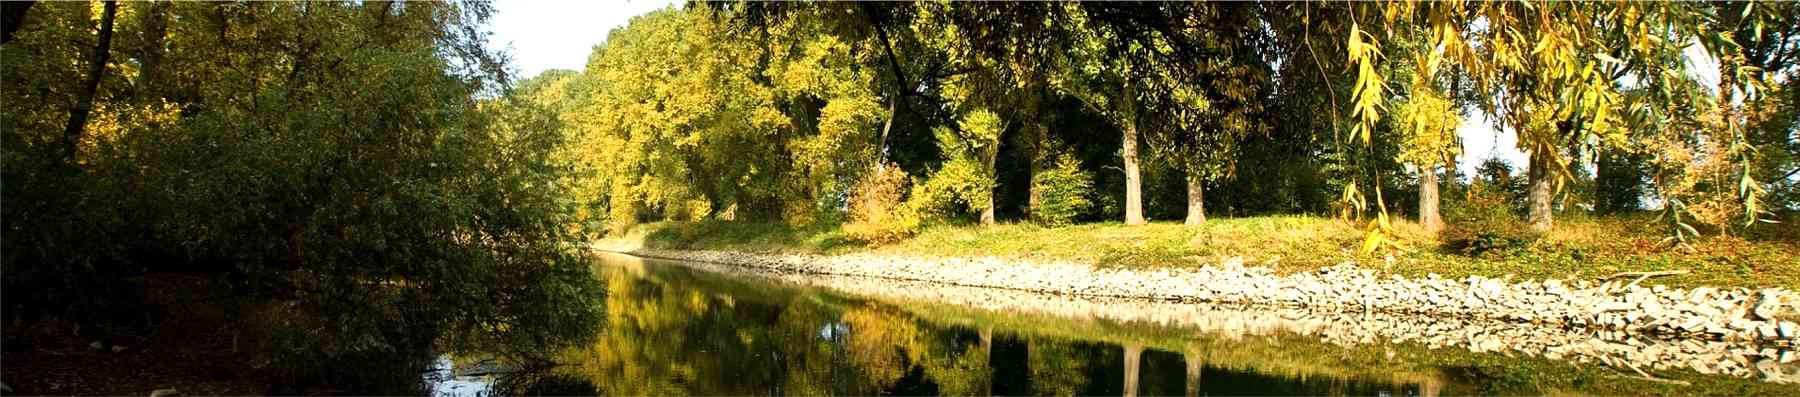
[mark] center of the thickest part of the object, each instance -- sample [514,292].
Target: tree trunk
[987,214]
[1539,195]
[900,81]
[1428,200]
[1132,354]
[881,148]
[78,116]
[1034,165]
[1196,203]
[993,155]
[1134,194]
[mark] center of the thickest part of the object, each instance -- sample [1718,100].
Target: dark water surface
[674,330]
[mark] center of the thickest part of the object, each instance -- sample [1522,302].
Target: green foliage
[1063,191]
[1497,177]
[1484,222]
[367,189]
[1428,122]
[1620,182]
[957,187]
[966,180]
[877,213]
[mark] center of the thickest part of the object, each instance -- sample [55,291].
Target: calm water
[673,330]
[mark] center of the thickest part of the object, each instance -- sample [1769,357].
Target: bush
[877,212]
[1484,222]
[1062,192]
[957,187]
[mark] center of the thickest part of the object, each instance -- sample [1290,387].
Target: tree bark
[1134,194]
[84,105]
[1196,201]
[881,145]
[1034,165]
[1538,197]
[1429,216]
[900,80]
[993,155]
[1132,354]
[987,214]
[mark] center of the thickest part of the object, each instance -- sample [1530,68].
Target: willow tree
[986,97]
[1427,119]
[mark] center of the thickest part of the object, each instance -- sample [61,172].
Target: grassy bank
[1586,248]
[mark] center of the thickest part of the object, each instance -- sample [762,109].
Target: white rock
[1768,304]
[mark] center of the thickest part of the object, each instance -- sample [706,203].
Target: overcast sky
[559,34]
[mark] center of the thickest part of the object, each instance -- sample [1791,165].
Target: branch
[1641,276]
[78,116]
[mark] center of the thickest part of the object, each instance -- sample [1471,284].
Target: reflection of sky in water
[444,383]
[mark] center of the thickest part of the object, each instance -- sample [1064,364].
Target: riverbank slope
[1580,248]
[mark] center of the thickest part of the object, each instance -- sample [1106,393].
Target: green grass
[1581,248]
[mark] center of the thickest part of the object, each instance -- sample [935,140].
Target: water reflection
[676,331]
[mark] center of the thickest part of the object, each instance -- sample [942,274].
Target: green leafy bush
[1483,223]
[966,180]
[1062,192]
[877,210]
[958,186]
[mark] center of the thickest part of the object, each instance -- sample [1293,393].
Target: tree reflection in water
[675,331]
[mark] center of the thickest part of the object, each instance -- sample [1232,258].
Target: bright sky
[559,34]
[1480,140]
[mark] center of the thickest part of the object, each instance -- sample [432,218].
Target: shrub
[1062,192]
[956,187]
[1484,222]
[877,213]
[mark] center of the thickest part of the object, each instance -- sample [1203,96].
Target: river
[695,329]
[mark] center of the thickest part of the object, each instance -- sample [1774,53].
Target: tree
[359,166]
[1106,72]
[1204,113]
[96,64]
[1427,123]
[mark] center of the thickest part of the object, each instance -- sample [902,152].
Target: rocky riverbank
[1764,317]
[1641,356]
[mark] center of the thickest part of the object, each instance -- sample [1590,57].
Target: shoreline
[1667,360]
[1763,316]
